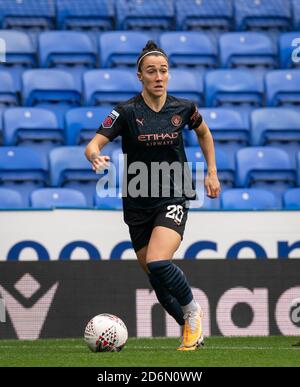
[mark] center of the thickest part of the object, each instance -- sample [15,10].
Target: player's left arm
[206,143]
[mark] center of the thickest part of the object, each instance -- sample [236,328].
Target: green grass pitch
[154,352]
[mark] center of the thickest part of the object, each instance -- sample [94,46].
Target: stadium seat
[144,15]
[289,51]
[225,165]
[296,14]
[83,122]
[19,50]
[248,199]
[298,168]
[282,87]
[10,199]
[94,15]
[121,48]
[186,84]
[23,169]
[277,127]
[46,198]
[1,125]
[31,126]
[109,86]
[203,202]
[49,86]
[189,49]
[203,14]
[8,95]
[112,200]
[70,169]
[230,129]
[234,87]
[263,15]
[291,199]
[61,48]
[264,167]
[247,49]
[29,14]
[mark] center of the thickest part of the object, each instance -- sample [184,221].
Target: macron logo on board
[28,321]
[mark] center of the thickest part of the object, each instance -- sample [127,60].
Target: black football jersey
[153,138]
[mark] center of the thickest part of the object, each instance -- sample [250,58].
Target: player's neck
[155,103]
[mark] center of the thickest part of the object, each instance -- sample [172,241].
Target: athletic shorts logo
[176,120]
[110,119]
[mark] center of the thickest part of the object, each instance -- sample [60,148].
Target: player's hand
[212,185]
[99,163]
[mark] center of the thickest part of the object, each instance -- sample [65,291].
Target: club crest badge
[176,120]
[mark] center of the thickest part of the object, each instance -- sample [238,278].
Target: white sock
[191,307]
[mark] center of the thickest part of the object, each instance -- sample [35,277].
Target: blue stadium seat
[10,199]
[248,199]
[189,49]
[94,15]
[264,167]
[298,169]
[46,198]
[282,87]
[112,200]
[70,169]
[121,48]
[291,199]
[18,48]
[296,14]
[203,14]
[82,123]
[203,202]
[263,15]
[31,126]
[225,165]
[109,86]
[289,51]
[49,86]
[1,125]
[23,169]
[8,95]
[186,84]
[60,48]
[144,15]
[29,14]
[234,87]
[278,127]
[230,129]
[247,49]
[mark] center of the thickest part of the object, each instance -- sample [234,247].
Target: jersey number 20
[175,212]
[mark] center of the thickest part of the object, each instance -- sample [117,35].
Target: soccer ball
[105,333]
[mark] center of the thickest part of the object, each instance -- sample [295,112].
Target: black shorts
[141,222]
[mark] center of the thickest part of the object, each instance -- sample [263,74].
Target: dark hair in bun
[150,46]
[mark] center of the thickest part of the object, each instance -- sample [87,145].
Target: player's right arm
[93,150]
[110,128]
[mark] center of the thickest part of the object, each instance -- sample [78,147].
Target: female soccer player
[151,127]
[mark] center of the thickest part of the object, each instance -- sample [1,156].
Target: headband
[148,53]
